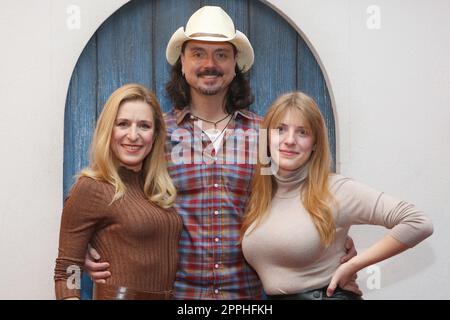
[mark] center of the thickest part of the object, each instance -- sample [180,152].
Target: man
[210,156]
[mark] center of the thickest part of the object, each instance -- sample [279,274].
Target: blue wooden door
[130,47]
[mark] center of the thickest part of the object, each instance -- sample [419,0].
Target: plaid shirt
[213,189]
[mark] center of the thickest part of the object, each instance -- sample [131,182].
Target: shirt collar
[180,115]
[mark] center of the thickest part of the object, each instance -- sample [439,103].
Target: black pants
[317,294]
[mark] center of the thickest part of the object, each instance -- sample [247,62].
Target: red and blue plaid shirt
[213,189]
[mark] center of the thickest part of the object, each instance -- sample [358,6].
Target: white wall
[391,97]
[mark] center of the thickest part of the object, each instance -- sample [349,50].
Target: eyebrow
[126,119]
[224,49]
[203,49]
[196,48]
[299,127]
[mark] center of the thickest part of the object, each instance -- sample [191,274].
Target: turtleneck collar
[128,175]
[289,186]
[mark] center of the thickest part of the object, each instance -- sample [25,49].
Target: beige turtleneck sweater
[137,238]
[285,249]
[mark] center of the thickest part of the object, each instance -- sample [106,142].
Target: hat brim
[245,54]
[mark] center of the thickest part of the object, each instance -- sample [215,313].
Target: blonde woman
[297,219]
[121,204]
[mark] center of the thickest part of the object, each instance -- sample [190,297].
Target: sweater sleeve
[82,213]
[360,204]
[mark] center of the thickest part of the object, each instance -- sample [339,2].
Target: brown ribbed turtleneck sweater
[137,238]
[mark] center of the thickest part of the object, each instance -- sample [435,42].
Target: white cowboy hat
[211,24]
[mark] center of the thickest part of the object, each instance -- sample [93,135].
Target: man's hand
[350,250]
[98,271]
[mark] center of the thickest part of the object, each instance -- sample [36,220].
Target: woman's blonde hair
[315,193]
[103,164]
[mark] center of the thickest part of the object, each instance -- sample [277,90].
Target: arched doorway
[130,47]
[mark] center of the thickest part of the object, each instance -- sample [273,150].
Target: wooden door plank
[311,81]
[124,49]
[236,9]
[80,114]
[274,42]
[168,17]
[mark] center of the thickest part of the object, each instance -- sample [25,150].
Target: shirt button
[216,291]
[316,294]
[216,239]
[216,185]
[216,266]
[216,212]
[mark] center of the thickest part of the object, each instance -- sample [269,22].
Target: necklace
[209,121]
[216,135]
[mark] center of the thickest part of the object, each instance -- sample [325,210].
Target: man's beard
[210,72]
[209,92]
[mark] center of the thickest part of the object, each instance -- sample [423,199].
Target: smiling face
[292,147]
[209,67]
[132,134]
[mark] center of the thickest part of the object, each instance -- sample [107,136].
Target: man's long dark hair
[239,95]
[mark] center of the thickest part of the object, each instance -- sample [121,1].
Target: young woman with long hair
[297,220]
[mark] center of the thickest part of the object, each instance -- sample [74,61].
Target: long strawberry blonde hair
[103,164]
[315,193]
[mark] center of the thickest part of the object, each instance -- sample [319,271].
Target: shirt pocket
[237,178]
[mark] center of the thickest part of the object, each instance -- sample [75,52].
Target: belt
[317,294]
[112,292]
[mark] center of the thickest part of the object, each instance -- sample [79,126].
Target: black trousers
[317,294]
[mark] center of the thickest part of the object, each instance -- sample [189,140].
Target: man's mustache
[210,72]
